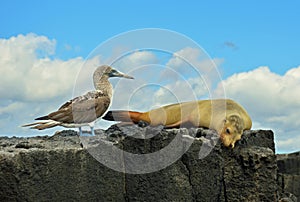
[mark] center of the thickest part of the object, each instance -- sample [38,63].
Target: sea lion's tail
[125,116]
[42,125]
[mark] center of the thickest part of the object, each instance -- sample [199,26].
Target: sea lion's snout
[229,137]
[232,131]
[228,142]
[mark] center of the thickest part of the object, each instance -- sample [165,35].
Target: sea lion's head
[232,130]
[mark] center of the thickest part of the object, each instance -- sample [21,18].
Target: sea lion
[225,116]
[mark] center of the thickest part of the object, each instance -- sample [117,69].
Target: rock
[289,173]
[58,169]
[289,163]
[172,166]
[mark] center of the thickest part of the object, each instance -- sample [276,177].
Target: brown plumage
[86,109]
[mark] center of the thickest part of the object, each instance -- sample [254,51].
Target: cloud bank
[32,81]
[29,74]
[272,100]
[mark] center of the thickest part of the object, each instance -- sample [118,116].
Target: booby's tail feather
[42,125]
[42,118]
[124,116]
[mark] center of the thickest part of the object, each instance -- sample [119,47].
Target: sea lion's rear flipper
[124,116]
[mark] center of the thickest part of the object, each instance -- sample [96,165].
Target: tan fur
[222,115]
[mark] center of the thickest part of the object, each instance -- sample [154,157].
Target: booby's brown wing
[82,109]
[89,95]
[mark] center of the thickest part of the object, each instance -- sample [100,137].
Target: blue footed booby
[83,110]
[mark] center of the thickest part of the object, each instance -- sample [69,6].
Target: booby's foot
[86,134]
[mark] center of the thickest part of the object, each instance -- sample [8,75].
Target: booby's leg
[92,124]
[92,130]
[80,131]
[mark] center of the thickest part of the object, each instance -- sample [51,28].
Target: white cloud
[181,91]
[193,60]
[272,100]
[69,47]
[33,82]
[28,73]
[191,75]
[135,60]
[194,63]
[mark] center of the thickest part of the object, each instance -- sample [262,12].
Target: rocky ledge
[289,173]
[188,165]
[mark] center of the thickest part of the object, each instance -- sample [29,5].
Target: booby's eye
[227,131]
[112,73]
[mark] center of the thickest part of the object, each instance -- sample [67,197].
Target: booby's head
[105,71]
[232,130]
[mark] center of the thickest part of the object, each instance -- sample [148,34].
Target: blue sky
[264,32]
[257,42]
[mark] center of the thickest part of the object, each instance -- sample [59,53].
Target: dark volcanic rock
[63,167]
[289,173]
[54,169]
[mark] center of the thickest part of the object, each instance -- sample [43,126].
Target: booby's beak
[115,73]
